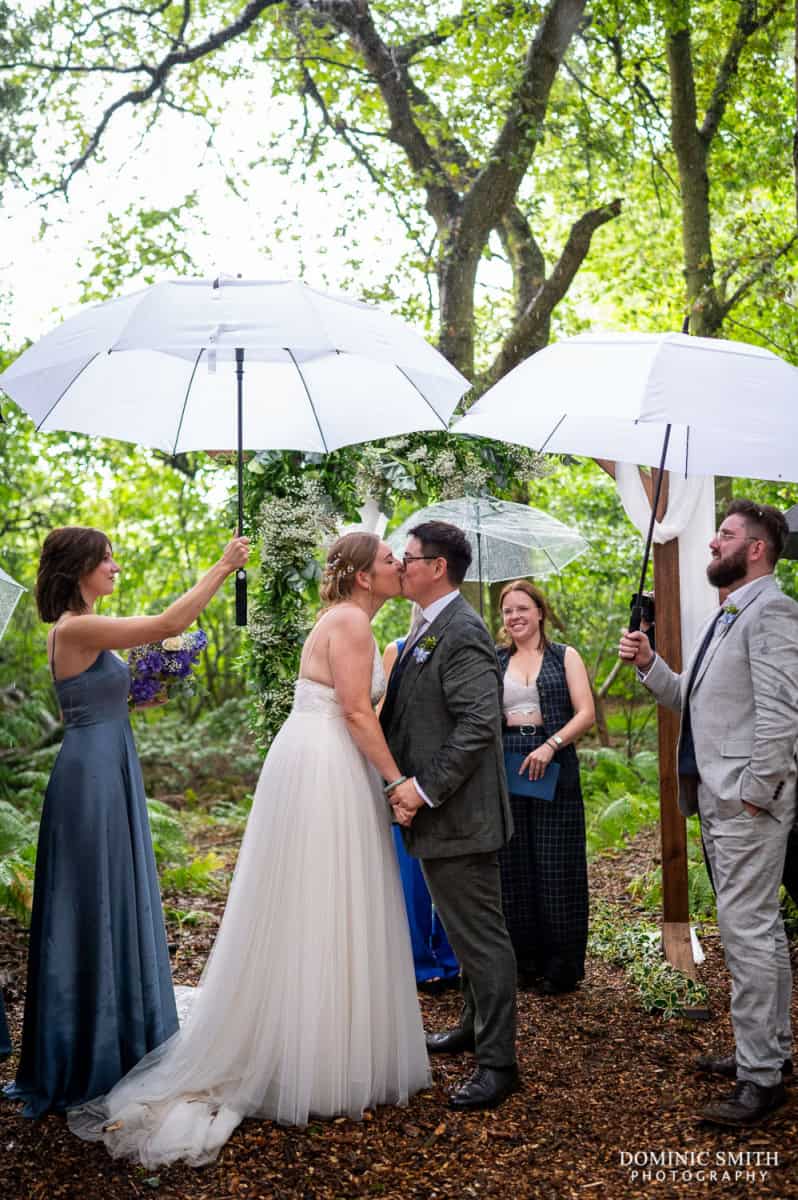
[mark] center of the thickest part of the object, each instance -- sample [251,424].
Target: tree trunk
[691,153]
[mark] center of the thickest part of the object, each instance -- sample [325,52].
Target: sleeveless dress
[544,866]
[99,991]
[307,1005]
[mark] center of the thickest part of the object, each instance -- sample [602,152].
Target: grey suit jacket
[743,705]
[445,729]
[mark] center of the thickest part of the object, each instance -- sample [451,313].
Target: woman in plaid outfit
[547,704]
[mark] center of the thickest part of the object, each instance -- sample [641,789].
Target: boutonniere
[423,649]
[729,614]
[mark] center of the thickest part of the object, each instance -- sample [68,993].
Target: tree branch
[525,256]
[495,186]
[758,273]
[390,73]
[530,331]
[747,24]
[158,74]
[345,132]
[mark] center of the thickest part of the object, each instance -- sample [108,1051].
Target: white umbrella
[511,540]
[697,406]
[164,367]
[732,408]
[10,592]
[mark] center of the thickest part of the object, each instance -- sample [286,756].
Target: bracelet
[390,787]
[551,742]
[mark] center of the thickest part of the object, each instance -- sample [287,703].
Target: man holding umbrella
[737,769]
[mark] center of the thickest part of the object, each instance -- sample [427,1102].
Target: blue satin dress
[99,992]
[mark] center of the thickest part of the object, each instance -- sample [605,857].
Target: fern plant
[621,796]
[198,876]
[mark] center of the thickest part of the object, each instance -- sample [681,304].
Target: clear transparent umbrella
[10,592]
[509,541]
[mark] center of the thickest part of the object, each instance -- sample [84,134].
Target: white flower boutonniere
[424,648]
[729,614]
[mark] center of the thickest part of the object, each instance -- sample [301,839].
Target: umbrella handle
[241,597]
[637,611]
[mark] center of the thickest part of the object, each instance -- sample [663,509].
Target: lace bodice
[312,696]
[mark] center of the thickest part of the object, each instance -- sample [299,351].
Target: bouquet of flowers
[162,669]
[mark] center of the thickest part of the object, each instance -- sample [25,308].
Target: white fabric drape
[372,520]
[690,517]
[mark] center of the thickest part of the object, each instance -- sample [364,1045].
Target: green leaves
[661,988]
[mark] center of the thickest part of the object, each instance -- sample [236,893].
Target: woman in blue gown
[99,991]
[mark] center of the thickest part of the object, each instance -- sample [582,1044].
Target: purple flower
[182,663]
[155,669]
[142,690]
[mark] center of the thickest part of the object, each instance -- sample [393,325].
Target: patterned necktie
[416,625]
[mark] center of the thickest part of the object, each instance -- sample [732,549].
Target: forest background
[501,175]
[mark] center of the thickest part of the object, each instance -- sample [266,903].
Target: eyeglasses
[726,535]
[407,558]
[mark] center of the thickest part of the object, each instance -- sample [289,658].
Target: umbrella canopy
[697,406]
[10,592]
[165,367]
[509,541]
[732,408]
[159,368]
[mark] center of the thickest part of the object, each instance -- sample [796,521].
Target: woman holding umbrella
[547,705]
[99,992]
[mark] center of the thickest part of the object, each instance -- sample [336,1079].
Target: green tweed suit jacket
[444,728]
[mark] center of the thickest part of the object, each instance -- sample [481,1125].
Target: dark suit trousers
[466,891]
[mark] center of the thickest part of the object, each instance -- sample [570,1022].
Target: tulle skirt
[307,1005]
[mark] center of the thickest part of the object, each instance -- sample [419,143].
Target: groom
[442,721]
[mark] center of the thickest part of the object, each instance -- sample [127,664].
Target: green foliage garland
[296,502]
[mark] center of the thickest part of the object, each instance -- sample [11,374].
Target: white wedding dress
[307,1006]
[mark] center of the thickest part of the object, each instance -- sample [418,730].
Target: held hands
[536,762]
[406,802]
[235,554]
[635,648]
[752,809]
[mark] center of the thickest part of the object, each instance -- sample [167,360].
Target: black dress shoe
[486,1088]
[453,1041]
[748,1104]
[726,1066]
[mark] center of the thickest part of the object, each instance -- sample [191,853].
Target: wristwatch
[555,737]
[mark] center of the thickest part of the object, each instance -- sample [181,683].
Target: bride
[307,1005]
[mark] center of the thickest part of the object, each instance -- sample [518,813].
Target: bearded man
[738,699]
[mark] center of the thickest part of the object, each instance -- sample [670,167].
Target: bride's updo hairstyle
[349,554]
[67,555]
